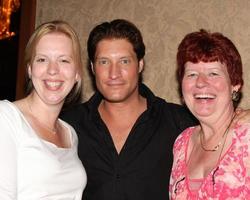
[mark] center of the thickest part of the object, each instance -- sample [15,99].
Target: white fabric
[32,168]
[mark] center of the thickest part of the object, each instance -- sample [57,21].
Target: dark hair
[119,29]
[209,47]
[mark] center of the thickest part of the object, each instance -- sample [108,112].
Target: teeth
[53,83]
[204,96]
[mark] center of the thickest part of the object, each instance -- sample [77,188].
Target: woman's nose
[53,68]
[201,80]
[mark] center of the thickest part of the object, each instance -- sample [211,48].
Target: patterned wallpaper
[163,24]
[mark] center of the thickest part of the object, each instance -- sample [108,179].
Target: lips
[204,96]
[53,85]
[114,83]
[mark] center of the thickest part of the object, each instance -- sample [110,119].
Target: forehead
[206,65]
[54,40]
[111,47]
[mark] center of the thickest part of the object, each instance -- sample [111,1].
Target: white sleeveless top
[32,168]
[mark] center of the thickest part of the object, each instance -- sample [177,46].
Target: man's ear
[141,65]
[92,67]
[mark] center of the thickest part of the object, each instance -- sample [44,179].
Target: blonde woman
[38,151]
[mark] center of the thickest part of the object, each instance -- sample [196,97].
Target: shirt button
[118,176]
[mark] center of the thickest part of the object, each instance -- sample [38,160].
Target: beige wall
[163,24]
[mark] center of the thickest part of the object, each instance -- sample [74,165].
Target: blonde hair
[62,27]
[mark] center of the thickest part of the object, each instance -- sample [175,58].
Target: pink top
[230,179]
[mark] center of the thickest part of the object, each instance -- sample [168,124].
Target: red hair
[209,47]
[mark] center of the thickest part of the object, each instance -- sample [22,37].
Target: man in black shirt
[126,133]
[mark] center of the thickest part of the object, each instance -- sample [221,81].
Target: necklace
[41,124]
[216,147]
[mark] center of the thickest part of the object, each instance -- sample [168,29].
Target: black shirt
[142,169]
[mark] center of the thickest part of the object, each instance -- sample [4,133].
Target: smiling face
[116,70]
[207,89]
[53,70]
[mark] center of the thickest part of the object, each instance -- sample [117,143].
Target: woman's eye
[191,75]
[65,61]
[40,60]
[213,74]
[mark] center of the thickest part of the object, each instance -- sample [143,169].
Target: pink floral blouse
[229,180]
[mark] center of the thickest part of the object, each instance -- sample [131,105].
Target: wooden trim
[27,26]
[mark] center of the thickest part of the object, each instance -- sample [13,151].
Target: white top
[32,168]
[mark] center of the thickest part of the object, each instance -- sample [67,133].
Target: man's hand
[242,116]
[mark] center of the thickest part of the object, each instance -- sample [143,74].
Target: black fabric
[141,171]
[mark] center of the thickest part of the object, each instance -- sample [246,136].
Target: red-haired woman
[211,160]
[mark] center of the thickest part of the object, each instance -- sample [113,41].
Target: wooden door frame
[27,26]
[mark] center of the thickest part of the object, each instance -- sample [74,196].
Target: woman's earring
[235,96]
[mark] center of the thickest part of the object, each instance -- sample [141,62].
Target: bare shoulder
[21,105]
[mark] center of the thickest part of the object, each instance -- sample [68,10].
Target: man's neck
[123,108]
[120,118]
